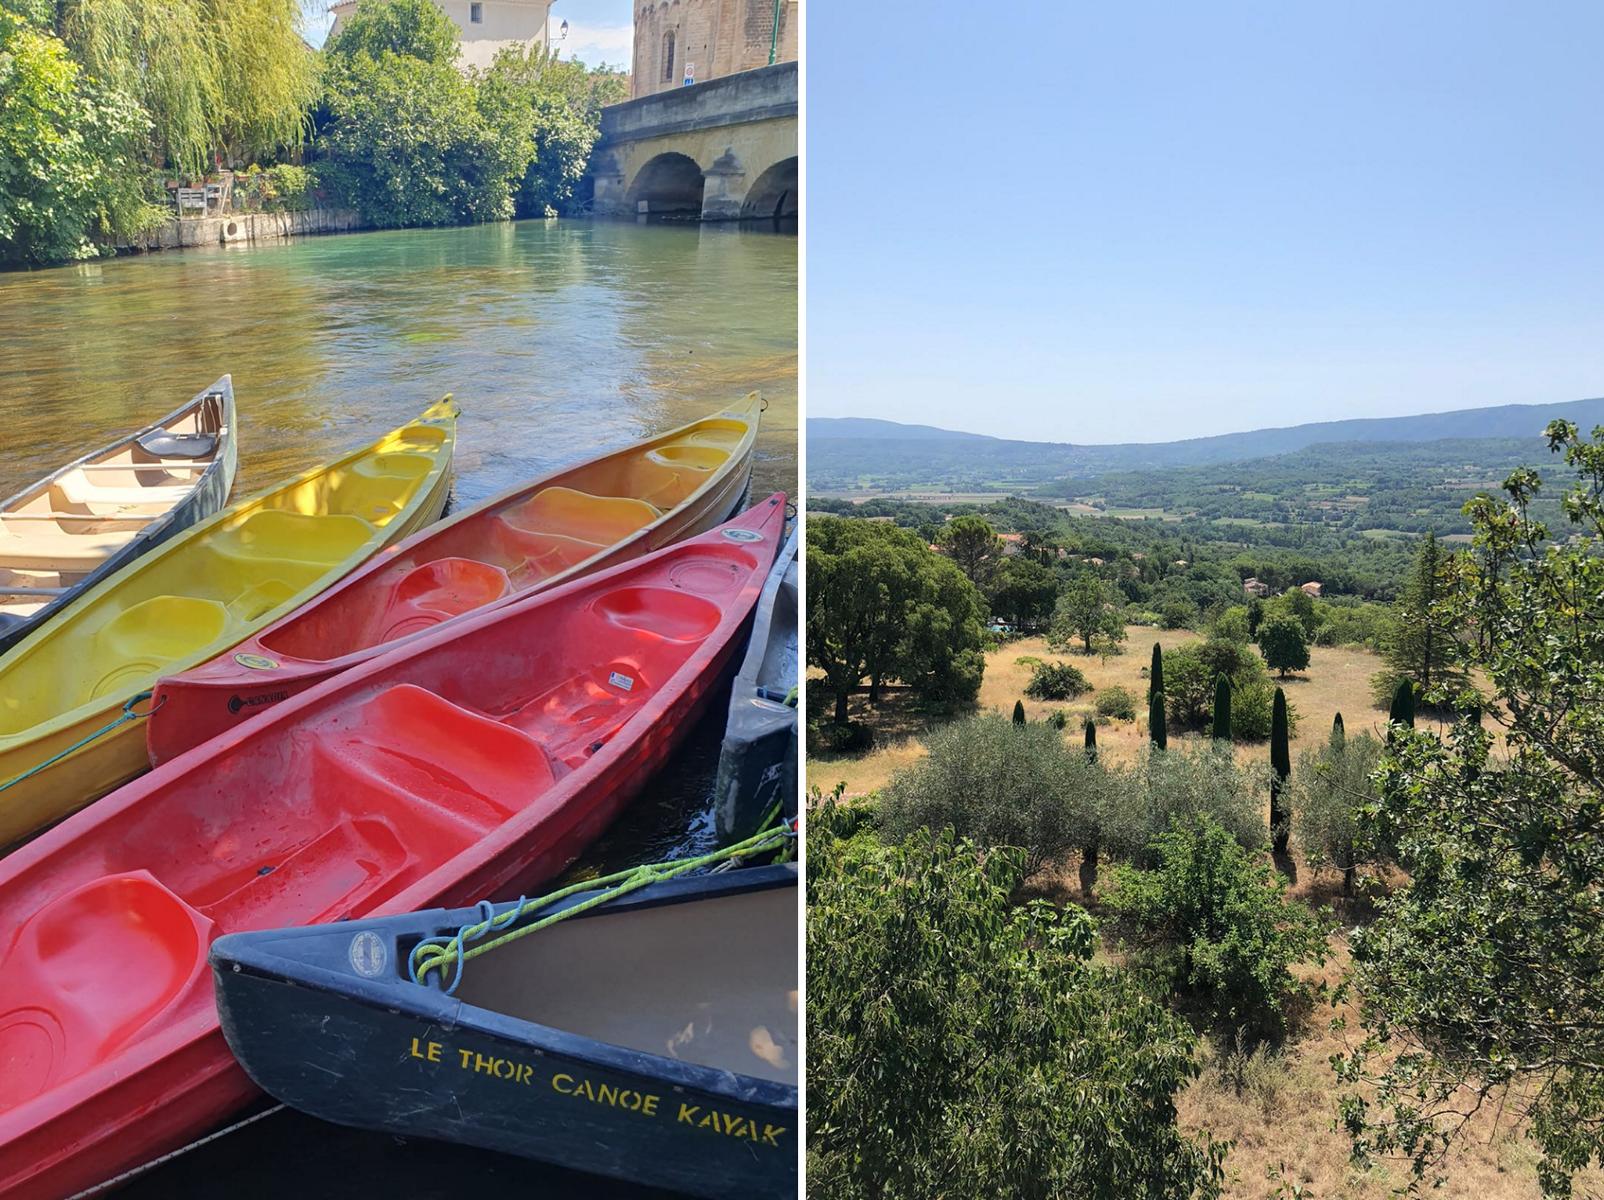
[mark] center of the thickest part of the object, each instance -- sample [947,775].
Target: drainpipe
[774,35]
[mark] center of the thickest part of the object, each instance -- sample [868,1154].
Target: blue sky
[598,30]
[1145,221]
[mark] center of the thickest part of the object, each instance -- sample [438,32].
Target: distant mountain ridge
[861,453]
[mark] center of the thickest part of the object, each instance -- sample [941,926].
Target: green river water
[558,339]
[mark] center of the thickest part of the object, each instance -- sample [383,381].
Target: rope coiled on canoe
[437,954]
[128,714]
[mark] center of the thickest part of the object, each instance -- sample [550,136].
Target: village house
[1255,587]
[1312,588]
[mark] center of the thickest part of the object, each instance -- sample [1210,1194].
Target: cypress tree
[1019,712]
[1156,730]
[1280,772]
[1339,735]
[1222,708]
[1403,704]
[1091,740]
[1155,674]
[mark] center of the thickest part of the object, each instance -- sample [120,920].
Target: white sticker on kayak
[743,535]
[621,681]
[368,954]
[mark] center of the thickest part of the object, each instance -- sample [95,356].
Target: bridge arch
[773,194]
[671,184]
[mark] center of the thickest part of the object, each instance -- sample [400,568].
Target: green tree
[1426,642]
[1280,772]
[409,140]
[1284,644]
[1334,786]
[1480,976]
[1157,731]
[1188,686]
[974,546]
[881,606]
[1019,712]
[1155,671]
[69,152]
[1091,740]
[1402,709]
[1086,611]
[1217,923]
[1222,709]
[1022,593]
[961,1045]
[1165,787]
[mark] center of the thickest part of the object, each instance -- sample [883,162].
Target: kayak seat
[271,539]
[581,714]
[446,587]
[319,880]
[565,512]
[660,612]
[160,629]
[690,455]
[92,969]
[163,444]
[382,756]
[378,486]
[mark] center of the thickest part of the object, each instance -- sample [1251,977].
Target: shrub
[1177,612]
[1251,705]
[1056,681]
[1117,702]
[1001,784]
[1331,785]
[1026,660]
[1057,719]
[289,186]
[1186,781]
[1214,920]
[961,1045]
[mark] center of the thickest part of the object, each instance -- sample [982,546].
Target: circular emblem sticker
[743,535]
[368,955]
[256,662]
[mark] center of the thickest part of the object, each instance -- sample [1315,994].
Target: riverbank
[182,232]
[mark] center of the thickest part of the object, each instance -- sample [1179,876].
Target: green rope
[436,954]
[128,714]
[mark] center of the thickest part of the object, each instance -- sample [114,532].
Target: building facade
[486,25]
[680,41]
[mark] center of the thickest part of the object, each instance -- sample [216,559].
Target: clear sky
[1140,221]
[599,31]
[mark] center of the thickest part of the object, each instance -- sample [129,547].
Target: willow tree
[215,79]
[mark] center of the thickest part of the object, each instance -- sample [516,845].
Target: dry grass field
[1338,680]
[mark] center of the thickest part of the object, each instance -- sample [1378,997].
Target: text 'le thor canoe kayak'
[64,534]
[652,1038]
[568,523]
[196,594]
[757,764]
[481,759]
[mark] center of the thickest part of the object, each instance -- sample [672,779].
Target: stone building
[676,40]
[486,25]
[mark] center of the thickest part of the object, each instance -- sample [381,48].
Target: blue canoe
[652,1038]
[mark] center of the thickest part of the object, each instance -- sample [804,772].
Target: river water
[558,339]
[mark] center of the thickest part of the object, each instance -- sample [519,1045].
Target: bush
[1056,681]
[1057,719]
[1116,702]
[1166,786]
[1215,922]
[1000,784]
[1251,705]
[1177,612]
[961,1045]
[1329,788]
[841,737]
[1284,644]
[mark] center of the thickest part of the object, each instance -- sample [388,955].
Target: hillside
[849,455]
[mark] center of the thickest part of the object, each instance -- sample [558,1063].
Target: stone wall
[248,227]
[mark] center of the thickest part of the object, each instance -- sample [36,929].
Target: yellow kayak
[203,591]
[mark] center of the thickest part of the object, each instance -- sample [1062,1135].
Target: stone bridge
[724,150]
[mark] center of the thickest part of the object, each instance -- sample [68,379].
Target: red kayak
[569,523]
[478,760]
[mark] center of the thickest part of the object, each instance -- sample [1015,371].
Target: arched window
[668,57]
